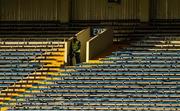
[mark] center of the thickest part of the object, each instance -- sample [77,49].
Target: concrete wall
[165,9]
[9,10]
[35,10]
[99,44]
[65,10]
[83,36]
[66,50]
[128,9]
[144,10]
[102,10]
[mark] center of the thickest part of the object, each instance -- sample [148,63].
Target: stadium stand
[89,55]
[144,76]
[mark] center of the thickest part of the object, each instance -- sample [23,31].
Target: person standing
[75,52]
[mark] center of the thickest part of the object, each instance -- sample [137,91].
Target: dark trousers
[71,60]
[78,59]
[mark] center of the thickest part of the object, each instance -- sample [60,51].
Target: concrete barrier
[99,44]
[83,36]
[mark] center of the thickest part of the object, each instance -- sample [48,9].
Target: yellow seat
[16,90]
[45,82]
[5,98]
[54,53]
[33,91]
[53,74]
[4,109]
[52,78]
[44,61]
[36,77]
[9,94]
[28,81]
[21,85]
[94,61]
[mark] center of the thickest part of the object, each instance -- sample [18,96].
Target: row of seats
[134,29]
[123,29]
[29,29]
